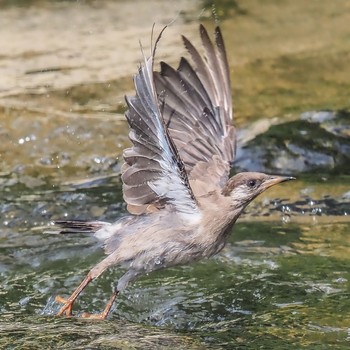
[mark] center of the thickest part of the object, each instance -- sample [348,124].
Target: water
[282,281]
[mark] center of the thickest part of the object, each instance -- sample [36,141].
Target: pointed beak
[274,180]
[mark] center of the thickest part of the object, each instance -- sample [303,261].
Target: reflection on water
[281,282]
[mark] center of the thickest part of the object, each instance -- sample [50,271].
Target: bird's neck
[219,212]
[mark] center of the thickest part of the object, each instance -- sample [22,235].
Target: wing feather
[181,130]
[197,108]
[153,173]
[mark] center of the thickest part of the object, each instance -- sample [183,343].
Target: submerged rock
[318,141]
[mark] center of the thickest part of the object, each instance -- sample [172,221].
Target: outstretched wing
[197,107]
[153,174]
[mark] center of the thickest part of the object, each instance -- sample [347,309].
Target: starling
[181,200]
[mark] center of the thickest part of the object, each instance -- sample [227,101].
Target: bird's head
[244,187]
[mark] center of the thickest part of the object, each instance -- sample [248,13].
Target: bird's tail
[76,226]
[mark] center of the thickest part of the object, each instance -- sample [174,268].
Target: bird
[182,203]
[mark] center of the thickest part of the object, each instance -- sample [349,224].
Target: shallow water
[281,282]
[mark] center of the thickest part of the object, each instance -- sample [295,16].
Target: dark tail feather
[76,226]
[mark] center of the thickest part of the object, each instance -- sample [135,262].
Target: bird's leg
[103,315]
[120,286]
[66,309]
[68,303]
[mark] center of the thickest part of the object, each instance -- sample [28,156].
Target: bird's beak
[274,180]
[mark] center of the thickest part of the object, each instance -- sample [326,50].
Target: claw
[66,309]
[60,300]
[103,315]
[99,316]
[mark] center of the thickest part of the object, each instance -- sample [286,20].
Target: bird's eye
[251,183]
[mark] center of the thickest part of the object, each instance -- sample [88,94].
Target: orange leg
[68,303]
[103,315]
[66,309]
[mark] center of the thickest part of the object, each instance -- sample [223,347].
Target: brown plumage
[176,183]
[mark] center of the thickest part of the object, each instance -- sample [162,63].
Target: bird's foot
[100,316]
[103,315]
[66,309]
